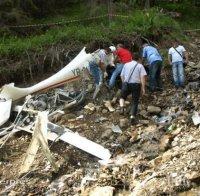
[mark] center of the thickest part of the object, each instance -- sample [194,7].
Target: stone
[90,88]
[106,134]
[144,122]
[184,113]
[193,45]
[153,110]
[123,123]
[143,113]
[177,131]
[156,161]
[108,105]
[122,139]
[134,136]
[90,106]
[191,64]
[193,176]
[165,142]
[102,191]
[104,111]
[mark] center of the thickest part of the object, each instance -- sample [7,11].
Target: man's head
[175,43]
[145,44]
[120,46]
[112,48]
[107,50]
[137,57]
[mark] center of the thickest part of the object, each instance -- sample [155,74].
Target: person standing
[176,56]
[133,77]
[122,56]
[154,60]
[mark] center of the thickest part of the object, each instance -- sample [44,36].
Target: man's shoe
[159,89]
[132,120]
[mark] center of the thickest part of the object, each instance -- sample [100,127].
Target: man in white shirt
[176,56]
[101,58]
[133,76]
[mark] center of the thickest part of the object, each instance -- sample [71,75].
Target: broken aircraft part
[68,74]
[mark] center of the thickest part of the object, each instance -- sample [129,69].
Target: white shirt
[176,57]
[106,59]
[137,74]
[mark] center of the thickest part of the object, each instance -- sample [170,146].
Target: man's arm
[143,83]
[186,56]
[144,55]
[170,59]
[122,74]
[102,65]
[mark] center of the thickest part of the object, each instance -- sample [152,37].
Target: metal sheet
[5,107]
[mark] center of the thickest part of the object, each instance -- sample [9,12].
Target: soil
[148,158]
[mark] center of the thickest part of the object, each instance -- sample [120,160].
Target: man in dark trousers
[133,77]
[154,61]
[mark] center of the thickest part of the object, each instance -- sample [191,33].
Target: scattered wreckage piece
[78,141]
[69,73]
[39,139]
[56,132]
[5,111]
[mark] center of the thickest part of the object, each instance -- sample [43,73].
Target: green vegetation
[147,22]
[142,22]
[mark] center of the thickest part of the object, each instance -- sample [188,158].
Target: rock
[155,162]
[90,106]
[123,123]
[134,136]
[122,139]
[193,45]
[116,128]
[176,131]
[144,122]
[184,113]
[107,133]
[193,176]
[143,113]
[193,86]
[153,110]
[104,111]
[165,142]
[191,64]
[102,191]
[108,105]
[90,88]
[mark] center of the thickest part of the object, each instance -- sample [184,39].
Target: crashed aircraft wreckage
[69,73]
[44,101]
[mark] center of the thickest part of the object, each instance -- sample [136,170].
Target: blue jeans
[178,74]
[155,81]
[96,73]
[116,73]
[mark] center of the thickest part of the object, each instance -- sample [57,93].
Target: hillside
[157,156]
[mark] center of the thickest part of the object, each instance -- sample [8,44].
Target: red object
[124,55]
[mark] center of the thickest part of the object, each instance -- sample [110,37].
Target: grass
[142,22]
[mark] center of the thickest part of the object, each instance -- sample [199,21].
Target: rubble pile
[160,155]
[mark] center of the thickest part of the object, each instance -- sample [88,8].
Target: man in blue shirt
[154,61]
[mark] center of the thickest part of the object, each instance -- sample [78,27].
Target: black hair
[137,56]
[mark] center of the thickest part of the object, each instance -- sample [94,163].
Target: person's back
[151,54]
[136,75]
[133,77]
[124,55]
[177,53]
[154,60]
[176,56]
